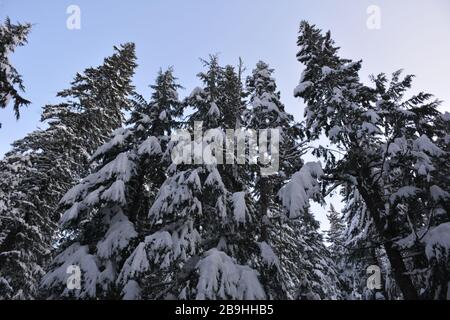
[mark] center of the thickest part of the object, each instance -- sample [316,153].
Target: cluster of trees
[98,190]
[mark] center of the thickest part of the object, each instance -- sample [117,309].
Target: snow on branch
[221,277]
[303,186]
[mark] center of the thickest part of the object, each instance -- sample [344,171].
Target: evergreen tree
[11,37]
[390,147]
[350,248]
[335,235]
[295,239]
[42,166]
[206,240]
[106,212]
[267,112]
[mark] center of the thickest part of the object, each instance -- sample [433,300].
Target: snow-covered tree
[335,234]
[106,212]
[351,249]
[268,112]
[389,149]
[206,241]
[304,266]
[42,166]
[307,269]
[11,37]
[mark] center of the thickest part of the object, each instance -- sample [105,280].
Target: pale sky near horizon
[414,35]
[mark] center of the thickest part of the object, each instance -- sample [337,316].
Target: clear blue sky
[414,35]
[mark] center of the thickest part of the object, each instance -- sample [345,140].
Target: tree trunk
[399,269]
[375,204]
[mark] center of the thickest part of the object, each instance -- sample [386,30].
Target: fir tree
[295,239]
[42,166]
[11,37]
[389,154]
[267,112]
[335,235]
[206,242]
[106,212]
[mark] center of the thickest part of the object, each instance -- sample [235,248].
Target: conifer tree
[349,249]
[206,241]
[106,212]
[268,112]
[11,37]
[390,146]
[42,166]
[335,234]
[296,237]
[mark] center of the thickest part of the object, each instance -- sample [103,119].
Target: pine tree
[303,264]
[350,249]
[11,37]
[42,166]
[388,153]
[360,248]
[106,212]
[206,241]
[335,235]
[268,112]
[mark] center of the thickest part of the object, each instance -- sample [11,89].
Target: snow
[122,167]
[150,147]
[437,242]
[108,275]
[326,70]
[118,138]
[446,116]
[73,194]
[438,194]
[75,255]
[196,93]
[221,207]
[2,205]
[145,118]
[268,255]
[336,98]
[240,210]
[71,214]
[115,193]
[404,192]
[369,128]
[93,197]
[220,277]
[194,180]
[161,249]
[372,115]
[334,132]
[160,246]
[393,149]
[214,179]
[131,291]
[5,286]
[162,115]
[423,143]
[181,244]
[118,236]
[349,65]
[263,72]
[302,187]
[265,103]
[135,265]
[214,110]
[176,193]
[185,241]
